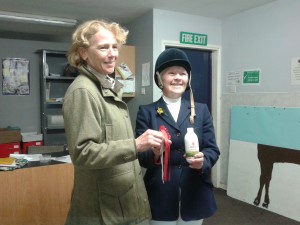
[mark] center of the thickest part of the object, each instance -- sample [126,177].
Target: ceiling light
[36,19]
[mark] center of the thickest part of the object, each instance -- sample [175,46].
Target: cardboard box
[9,148]
[45,149]
[9,136]
[25,145]
[31,136]
[55,120]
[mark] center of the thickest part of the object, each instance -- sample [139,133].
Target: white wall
[167,25]
[141,36]
[266,37]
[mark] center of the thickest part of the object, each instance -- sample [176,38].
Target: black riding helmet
[171,57]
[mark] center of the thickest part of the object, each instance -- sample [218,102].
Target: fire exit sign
[193,38]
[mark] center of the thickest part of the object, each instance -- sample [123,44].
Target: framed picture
[15,76]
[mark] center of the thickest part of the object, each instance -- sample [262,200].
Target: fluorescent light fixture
[36,19]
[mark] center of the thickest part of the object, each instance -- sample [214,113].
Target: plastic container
[191,144]
[45,158]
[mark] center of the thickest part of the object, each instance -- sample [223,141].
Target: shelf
[54,128]
[52,52]
[53,88]
[58,78]
[53,103]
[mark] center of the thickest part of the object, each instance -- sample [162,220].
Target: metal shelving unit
[53,86]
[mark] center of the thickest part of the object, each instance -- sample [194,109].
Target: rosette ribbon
[165,154]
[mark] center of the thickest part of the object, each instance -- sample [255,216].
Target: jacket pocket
[118,200]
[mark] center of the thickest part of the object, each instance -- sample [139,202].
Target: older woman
[108,183]
[186,197]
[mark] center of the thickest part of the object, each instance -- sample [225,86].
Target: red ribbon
[166,169]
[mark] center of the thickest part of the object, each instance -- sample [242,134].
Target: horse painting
[267,156]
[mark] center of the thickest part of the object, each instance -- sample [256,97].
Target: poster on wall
[233,78]
[15,76]
[264,158]
[295,71]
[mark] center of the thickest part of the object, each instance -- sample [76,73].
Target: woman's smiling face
[102,53]
[174,80]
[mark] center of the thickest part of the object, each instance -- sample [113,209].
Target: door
[201,75]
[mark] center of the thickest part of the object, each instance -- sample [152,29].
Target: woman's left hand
[197,161]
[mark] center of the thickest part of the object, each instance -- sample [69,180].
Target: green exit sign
[193,38]
[251,77]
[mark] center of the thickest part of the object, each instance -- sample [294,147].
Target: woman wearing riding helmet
[186,196]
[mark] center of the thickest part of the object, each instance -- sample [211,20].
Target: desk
[37,195]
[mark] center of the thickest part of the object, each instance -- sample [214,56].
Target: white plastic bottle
[191,143]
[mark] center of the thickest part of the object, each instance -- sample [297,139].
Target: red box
[31,143]
[9,148]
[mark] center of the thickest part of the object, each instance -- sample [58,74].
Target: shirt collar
[104,79]
[169,101]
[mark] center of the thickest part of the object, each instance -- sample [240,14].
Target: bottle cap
[190,129]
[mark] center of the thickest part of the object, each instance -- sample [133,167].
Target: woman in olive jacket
[108,184]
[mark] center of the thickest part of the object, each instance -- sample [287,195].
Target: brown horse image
[267,156]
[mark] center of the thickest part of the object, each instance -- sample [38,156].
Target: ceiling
[122,11]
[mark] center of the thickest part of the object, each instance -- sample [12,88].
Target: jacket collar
[102,82]
[185,111]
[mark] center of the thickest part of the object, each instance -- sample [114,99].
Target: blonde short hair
[85,31]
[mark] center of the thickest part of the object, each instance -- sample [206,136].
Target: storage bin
[9,148]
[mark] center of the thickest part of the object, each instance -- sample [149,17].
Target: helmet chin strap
[193,114]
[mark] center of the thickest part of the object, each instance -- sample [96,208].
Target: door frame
[216,94]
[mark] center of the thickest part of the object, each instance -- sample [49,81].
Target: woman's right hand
[150,139]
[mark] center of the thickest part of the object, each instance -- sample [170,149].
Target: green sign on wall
[251,77]
[193,38]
